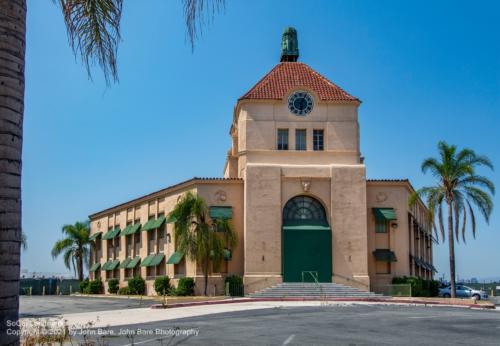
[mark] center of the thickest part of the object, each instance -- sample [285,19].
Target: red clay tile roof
[289,75]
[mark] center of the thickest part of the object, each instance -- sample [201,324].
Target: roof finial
[289,45]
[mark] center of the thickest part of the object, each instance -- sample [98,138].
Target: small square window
[380,226]
[300,139]
[318,140]
[282,139]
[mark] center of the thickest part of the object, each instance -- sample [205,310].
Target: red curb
[304,299]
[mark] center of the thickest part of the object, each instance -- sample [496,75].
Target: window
[300,139]
[282,139]
[380,226]
[318,136]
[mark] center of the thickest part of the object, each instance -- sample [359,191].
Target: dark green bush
[113,286]
[136,285]
[162,285]
[419,286]
[185,287]
[83,285]
[234,285]
[94,287]
[123,291]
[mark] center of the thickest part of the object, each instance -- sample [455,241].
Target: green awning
[384,214]
[146,262]
[175,258]
[111,234]
[110,265]
[94,236]
[385,255]
[133,262]
[157,260]
[104,266]
[154,223]
[305,225]
[95,267]
[221,212]
[131,229]
[124,264]
[152,260]
[170,219]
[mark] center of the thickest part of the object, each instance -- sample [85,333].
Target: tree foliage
[461,190]
[199,238]
[94,29]
[75,247]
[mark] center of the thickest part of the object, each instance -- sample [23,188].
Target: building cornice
[163,192]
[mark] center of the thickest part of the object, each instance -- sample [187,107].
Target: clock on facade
[300,103]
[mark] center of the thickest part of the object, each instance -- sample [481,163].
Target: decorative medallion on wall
[381,197]
[306,185]
[220,196]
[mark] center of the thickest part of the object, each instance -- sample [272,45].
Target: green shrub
[94,287]
[419,286]
[136,285]
[162,285]
[123,291]
[83,285]
[185,287]
[113,286]
[234,285]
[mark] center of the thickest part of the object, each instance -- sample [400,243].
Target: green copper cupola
[289,45]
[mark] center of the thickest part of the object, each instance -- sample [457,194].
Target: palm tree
[459,188]
[198,239]
[94,34]
[75,246]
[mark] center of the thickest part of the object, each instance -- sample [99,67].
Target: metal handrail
[314,275]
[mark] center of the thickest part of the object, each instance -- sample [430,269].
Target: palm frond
[60,246]
[481,199]
[464,223]
[24,241]
[441,222]
[472,219]
[456,210]
[197,13]
[94,33]
[478,180]
[68,258]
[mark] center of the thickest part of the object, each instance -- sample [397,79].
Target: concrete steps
[312,290]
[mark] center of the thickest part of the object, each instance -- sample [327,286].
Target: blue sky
[425,71]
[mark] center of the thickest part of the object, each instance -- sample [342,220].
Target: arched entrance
[307,241]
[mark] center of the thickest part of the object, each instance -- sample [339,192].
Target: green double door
[307,249]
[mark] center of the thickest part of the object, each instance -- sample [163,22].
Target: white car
[463,292]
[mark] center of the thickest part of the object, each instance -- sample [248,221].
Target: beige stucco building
[295,187]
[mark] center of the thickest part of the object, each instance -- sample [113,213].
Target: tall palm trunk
[451,244]
[12,49]
[79,264]
[207,261]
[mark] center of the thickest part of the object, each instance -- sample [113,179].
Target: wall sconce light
[394,225]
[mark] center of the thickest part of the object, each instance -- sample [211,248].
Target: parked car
[463,292]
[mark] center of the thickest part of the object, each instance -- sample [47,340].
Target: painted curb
[309,299]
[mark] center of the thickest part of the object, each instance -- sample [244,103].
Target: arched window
[304,208]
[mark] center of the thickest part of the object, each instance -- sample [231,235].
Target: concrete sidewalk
[103,319]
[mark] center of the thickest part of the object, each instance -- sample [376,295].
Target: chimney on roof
[289,45]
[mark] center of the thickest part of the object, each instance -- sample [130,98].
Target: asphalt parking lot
[46,306]
[336,325]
